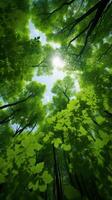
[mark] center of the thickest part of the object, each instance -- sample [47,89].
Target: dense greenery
[62,149]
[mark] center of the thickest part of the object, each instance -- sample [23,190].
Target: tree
[63,91]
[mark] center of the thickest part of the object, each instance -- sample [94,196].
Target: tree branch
[76,37]
[20,130]
[65,94]
[78,20]
[8,118]
[105,52]
[15,103]
[38,65]
[95,20]
[60,7]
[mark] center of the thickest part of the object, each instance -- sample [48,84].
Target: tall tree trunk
[57,182]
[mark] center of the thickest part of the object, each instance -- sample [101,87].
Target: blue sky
[35,33]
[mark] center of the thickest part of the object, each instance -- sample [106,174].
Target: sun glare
[58,62]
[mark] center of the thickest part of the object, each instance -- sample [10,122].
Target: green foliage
[63,149]
[57,142]
[47,178]
[63,91]
[66,147]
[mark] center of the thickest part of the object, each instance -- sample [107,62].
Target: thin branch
[83,31]
[15,103]
[32,128]
[99,7]
[105,52]
[101,19]
[94,22]
[80,5]
[20,130]
[60,7]
[8,118]
[81,18]
[65,93]
[38,65]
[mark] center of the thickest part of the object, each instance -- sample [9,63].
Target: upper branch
[60,7]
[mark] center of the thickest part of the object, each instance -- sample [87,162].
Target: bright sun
[58,62]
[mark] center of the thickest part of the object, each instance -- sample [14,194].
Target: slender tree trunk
[57,184]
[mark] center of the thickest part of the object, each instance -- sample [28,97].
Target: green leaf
[100,119]
[42,188]
[30,185]
[66,147]
[47,137]
[33,186]
[83,131]
[57,142]
[38,168]
[47,178]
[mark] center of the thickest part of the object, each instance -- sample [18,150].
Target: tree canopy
[60,149]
